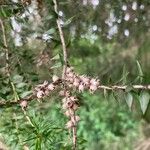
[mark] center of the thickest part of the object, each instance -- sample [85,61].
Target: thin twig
[9,75]
[5,103]
[119,87]
[74,132]
[5,48]
[33,96]
[27,117]
[61,34]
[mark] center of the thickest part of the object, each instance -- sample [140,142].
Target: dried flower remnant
[40,89]
[69,113]
[23,104]
[55,78]
[44,89]
[81,87]
[94,84]
[40,94]
[69,124]
[72,122]
[69,105]
[51,87]
[64,93]
[85,80]
[76,82]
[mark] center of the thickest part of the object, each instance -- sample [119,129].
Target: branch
[61,34]
[6,103]
[119,87]
[5,48]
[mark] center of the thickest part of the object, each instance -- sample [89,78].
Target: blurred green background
[105,39]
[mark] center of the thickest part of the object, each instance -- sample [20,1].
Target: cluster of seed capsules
[81,82]
[45,88]
[70,105]
[69,102]
[72,80]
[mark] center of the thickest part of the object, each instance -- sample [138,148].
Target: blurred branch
[5,103]
[3,3]
[5,48]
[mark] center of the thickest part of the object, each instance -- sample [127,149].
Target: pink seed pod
[69,124]
[69,69]
[40,94]
[75,119]
[70,74]
[67,93]
[76,82]
[72,98]
[70,104]
[55,78]
[94,82]
[64,93]
[45,83]
[23,104]
[75,107]
[64,100]
[65,106]
[81,87]
[70,85]
[46,92]
[36,89]
[85,80]
[69,113]
[70,79]
[93,88]
[51,87]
